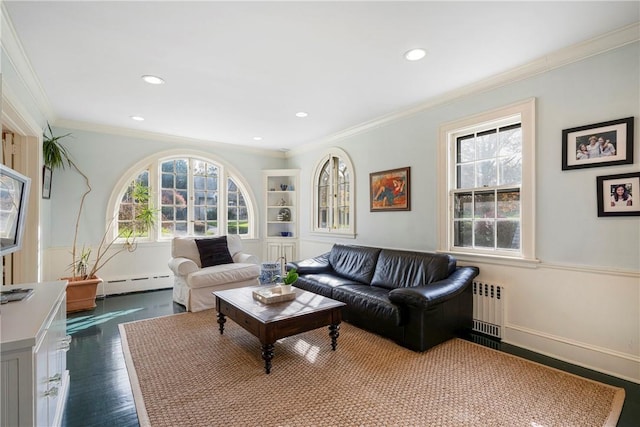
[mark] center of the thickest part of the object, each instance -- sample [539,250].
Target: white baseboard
[621,365]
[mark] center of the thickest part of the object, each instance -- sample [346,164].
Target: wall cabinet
[281,214]
[34,375]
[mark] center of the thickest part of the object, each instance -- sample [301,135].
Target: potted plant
[84,279]
[288,281]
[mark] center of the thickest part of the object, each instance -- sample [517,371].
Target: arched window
[334,205]
[188,195]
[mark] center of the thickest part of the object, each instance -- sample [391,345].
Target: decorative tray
[272,294]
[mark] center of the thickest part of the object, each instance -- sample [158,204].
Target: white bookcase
[282,214]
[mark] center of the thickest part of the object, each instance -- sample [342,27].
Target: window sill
[341,234]
[493,259]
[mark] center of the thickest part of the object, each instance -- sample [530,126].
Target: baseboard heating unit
[137,283]
[488,309]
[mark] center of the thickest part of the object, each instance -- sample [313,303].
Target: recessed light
[257,138]
[154,80]
[301,114]
[137,118]
[415,54]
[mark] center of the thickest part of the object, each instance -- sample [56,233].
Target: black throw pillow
[213,251]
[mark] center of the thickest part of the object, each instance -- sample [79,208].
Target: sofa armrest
[245,258]
[317,265]
[182,266]
[436,292]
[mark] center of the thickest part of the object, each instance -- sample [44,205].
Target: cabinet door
[41,375]
[57,363]
[277,250]
[288,250]
[274,251]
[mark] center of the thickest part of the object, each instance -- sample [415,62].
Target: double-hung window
[487,187]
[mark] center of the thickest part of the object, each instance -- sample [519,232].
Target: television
[14,201]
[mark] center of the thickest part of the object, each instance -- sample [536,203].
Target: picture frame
[600,144]
[46,182]
[390,190]
[616,194]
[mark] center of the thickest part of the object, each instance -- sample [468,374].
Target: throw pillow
[214,251]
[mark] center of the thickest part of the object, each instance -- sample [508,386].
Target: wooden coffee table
[271,322]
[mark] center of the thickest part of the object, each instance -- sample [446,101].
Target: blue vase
[269,272]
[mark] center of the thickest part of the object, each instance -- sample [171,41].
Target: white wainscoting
[585,316]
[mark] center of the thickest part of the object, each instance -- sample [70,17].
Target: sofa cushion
[404,269]
[322,284]
[369,302]
[354,262]
[234,244]
[185,247]
[223,274]
[213,251]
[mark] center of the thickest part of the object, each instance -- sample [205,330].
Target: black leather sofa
[417,299]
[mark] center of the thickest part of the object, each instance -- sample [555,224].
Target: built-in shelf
[281,222]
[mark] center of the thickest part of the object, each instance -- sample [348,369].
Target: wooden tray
[272,294]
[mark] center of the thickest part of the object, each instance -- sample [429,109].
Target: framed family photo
[600,144]
[390,190]
[616,194]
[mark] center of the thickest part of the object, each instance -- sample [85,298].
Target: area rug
[184,373]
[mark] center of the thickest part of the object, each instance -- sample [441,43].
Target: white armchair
[193,285]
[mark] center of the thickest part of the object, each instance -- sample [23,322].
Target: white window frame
[348,232]
[153,164]
[525,112]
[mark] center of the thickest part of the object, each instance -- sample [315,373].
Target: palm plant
[56,156]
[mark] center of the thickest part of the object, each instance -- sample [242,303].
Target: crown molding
[15,117]
[15,53]
[174,139]
[577,52]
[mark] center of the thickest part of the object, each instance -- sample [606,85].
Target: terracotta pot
[81,294]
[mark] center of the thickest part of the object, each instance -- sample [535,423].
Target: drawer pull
[55,379]
[52,392]
[65,343]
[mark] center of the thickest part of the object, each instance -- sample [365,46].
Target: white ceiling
[235,70]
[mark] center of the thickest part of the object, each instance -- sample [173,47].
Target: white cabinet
[34,375]
[282,214]
[277,250]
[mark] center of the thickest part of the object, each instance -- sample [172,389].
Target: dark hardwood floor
[100,393]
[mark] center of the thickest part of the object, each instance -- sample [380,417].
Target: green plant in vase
[288,280]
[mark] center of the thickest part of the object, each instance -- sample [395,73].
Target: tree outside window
[487,195]
[194,196]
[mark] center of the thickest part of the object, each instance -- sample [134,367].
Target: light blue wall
[568,230]
[105,158]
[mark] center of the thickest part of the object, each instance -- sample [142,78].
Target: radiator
[141,282]
[488,316]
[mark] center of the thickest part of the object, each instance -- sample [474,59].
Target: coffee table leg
[267,355]
[334,334]
[221,320]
